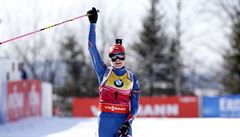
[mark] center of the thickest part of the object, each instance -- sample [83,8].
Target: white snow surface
[142,127]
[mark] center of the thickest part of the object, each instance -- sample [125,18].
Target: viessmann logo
[113,108]
[162,110]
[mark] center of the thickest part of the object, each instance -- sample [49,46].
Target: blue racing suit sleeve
[98,64]
[135,96]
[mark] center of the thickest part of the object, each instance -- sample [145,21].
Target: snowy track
[143,127]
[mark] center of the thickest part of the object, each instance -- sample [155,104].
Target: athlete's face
[117,61]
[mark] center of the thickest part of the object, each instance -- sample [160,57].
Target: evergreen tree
[82,80]
[153,67]
[175,59]
[231,79]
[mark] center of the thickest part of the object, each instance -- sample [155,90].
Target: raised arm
[99,66]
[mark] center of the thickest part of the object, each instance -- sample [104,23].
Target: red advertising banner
[169,107]
[149,107]
[34,96]
[85,107]
[23,99]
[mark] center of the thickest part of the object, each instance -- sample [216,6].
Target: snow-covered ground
[142,127]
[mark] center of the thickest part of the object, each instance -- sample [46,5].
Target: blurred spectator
[57,111]
[23,71]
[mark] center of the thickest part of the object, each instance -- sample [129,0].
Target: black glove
[123,130]
[93,15]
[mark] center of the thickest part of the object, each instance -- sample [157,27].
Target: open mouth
[117,63]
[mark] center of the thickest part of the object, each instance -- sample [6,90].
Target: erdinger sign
[149,107]
[23,99]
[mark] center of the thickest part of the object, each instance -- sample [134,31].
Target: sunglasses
[115,57]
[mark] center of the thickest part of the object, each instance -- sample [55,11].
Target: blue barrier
[3,96]
[1,99]
[222,106]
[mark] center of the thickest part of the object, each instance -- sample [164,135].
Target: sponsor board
[224,106]
[85,107]
[168,107]
[23,99]
[149,107]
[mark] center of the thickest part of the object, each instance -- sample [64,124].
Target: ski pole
[45,28]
